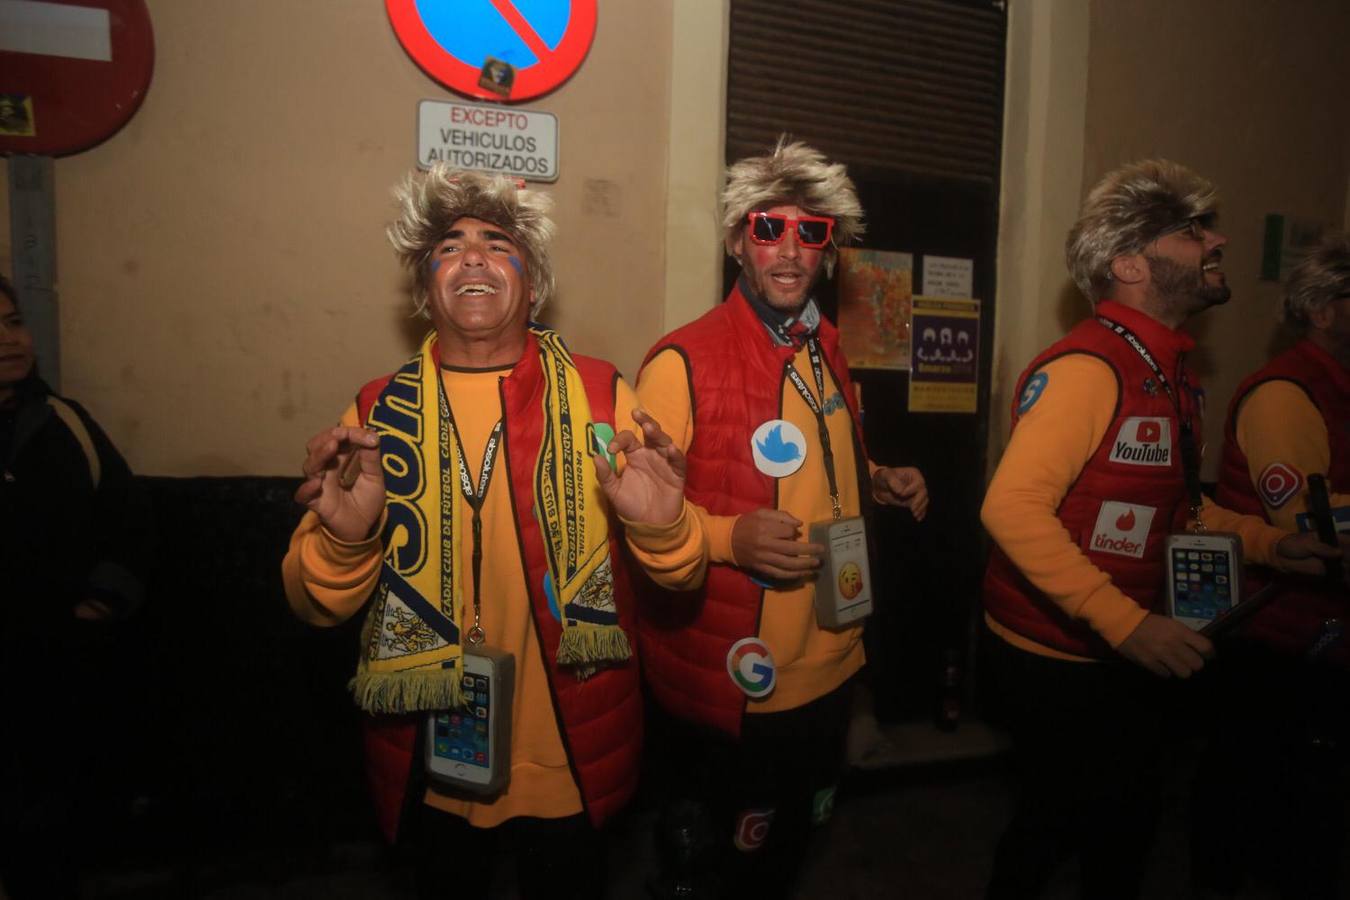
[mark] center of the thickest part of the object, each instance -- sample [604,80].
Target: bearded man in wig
[758,396]
[1102,465]
[479,497]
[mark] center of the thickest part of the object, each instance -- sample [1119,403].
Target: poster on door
[944,360]
[874,292]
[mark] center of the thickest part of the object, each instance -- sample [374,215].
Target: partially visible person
[466,501]
[74,546]
[1283,681]
[1102,464]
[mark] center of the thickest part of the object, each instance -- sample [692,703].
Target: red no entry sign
[72,72]
[496,49]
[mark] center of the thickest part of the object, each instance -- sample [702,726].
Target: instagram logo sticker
[752,828]
[750,666]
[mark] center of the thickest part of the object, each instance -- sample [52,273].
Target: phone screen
[1203,583]
[462,734]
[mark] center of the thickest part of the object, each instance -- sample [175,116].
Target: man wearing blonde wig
[1102,464]
[457,501]
[757,393]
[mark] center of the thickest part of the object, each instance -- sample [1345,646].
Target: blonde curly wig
[431,201]
[1321,275]
[794,174]
[1128,209]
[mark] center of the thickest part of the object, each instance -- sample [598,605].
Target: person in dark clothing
[74,537]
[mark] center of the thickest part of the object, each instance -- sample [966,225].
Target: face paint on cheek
[516,264]
[435,264]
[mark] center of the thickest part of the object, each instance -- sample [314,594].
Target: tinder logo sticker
[1143,441]
[1122,529]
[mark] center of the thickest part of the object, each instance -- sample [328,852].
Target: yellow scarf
[411,637]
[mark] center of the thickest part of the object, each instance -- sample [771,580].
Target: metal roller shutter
[887,86]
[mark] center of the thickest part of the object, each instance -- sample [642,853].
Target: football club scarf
[411,639]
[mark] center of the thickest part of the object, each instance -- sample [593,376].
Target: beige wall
[1044,97]
[225,283]
[1250,95]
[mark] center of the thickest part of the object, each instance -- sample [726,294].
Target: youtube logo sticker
[1143,441]
[1121,529]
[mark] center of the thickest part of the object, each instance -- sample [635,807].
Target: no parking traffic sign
[496,49]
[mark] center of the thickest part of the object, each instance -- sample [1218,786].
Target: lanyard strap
[475,500]
[1190,455]
[818,372]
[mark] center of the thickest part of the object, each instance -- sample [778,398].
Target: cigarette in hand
[351,470]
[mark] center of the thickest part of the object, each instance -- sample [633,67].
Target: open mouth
[475,289]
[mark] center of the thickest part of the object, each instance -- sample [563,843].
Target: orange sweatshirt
[1051,444]
[810,661]
[327,581]
[1278,423]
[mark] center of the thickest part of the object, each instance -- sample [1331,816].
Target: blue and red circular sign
[501,50]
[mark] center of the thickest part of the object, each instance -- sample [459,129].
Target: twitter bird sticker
[779,448]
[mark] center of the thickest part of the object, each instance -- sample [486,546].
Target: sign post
[74,73]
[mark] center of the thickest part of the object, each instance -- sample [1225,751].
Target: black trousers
[1274,780]
[766,794]
[1088,739]
[554,858]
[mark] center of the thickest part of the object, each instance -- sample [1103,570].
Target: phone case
[1204,577]
[465,744]
[844,580]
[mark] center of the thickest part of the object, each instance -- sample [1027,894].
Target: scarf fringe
[585,646]
[403,692]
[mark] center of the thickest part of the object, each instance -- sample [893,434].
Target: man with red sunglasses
[757,395]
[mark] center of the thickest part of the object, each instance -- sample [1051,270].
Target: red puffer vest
[1129,495]
[736,380]
[600,719]
[1292,619]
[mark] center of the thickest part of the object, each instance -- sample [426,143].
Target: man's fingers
[780,517]
[652,431]
[1200,644]
[309,490]
[675,458]
[624,442]
[320,457]
[1157,667]
[603,473]
[794,561]
[777,551]
[1187,661]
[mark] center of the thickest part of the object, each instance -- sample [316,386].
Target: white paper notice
[947,276]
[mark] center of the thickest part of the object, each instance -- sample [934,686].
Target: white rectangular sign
[488,138]
[947,276]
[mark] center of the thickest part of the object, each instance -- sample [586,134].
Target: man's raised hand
[350,511]
[650,489]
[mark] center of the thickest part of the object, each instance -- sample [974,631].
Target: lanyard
[818,372]
[475,500]
[1190,456]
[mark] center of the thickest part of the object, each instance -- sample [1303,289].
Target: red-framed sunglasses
[813,232]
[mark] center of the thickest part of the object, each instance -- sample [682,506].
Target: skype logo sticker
[779,448]
[751,667]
